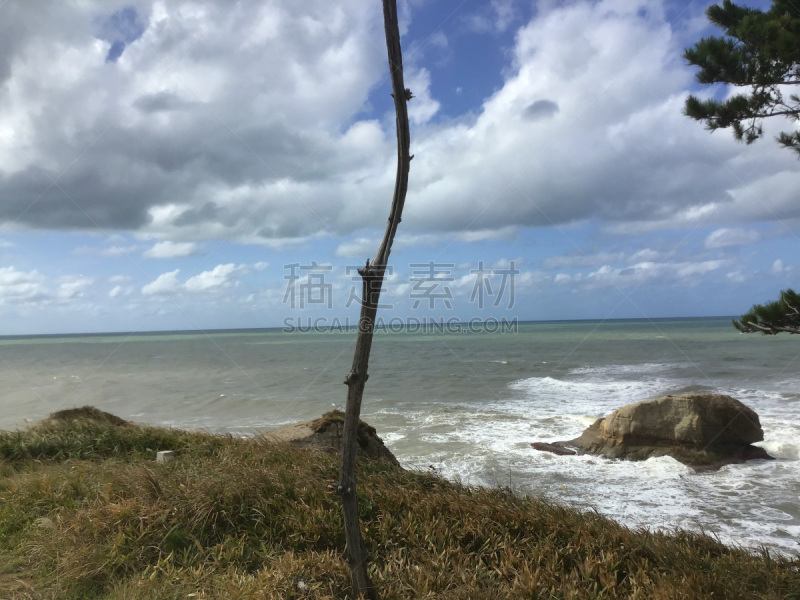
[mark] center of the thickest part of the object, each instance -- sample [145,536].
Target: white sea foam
[616,371]
[591,398]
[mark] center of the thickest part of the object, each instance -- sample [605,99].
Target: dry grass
[85,512]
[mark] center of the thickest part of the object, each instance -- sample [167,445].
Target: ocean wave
[595,398]
[615,371]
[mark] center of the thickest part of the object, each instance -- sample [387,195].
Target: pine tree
[760,51]
[783,315]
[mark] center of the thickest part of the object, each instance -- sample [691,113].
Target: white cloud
[584,259]
[635,275]
[21,287]
[109,251]
[496,17]
[504,13]
[613,84]
[647,255]
[779,269]
[700,268]
[571,261]
[119,291]
[283,120]
[482,235]
[219,276]
[118,250]
[166,283]
[357,248]
[73,286]
[422,108]
[736,277]
[170,250]
[294,152]
[722,238]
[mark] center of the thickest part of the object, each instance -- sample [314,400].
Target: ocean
[466,404]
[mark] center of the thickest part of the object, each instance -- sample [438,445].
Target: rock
[85,413]
[45,523]
[165,456]
[325,434]
[555,448]
[700,430]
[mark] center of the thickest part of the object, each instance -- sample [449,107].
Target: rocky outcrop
[325,434]
[700,430]
[85,413]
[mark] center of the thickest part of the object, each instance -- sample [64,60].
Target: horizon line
[354,327]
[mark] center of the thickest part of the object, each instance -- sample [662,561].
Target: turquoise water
[467,404]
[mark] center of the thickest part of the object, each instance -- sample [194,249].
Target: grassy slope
[85,512]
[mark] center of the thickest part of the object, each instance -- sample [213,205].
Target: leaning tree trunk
[372,279]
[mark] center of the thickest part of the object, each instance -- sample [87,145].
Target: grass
[86,512]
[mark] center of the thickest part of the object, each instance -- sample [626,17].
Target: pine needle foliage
[248,519]
[760,51]
[780,316]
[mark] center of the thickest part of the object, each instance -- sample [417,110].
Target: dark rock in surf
[700,430]
[556,448]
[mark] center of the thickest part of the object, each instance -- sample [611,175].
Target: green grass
[86,512]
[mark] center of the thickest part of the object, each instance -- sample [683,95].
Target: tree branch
[371,282]
[770,328]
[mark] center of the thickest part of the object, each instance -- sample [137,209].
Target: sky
[218,164]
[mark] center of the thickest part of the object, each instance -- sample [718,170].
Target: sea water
[467,405]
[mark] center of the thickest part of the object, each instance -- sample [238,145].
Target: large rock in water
[701,430]
[325,434]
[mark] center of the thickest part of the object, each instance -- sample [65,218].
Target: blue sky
[162,164]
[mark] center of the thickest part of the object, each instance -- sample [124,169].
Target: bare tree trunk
[372,280]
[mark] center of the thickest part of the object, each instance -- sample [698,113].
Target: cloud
[583,260]
[423,107]
[540,109]
[577,260]
[586,124]
[21,287]
[171,250]
[119,278]
[227,140]
[482,235]
[496,17]
[219,276]
[736,277]
[618,149]
[357,248]
[73,286]
[722,238]
[109,251]
[779,269]
[164,284]
[683,273]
